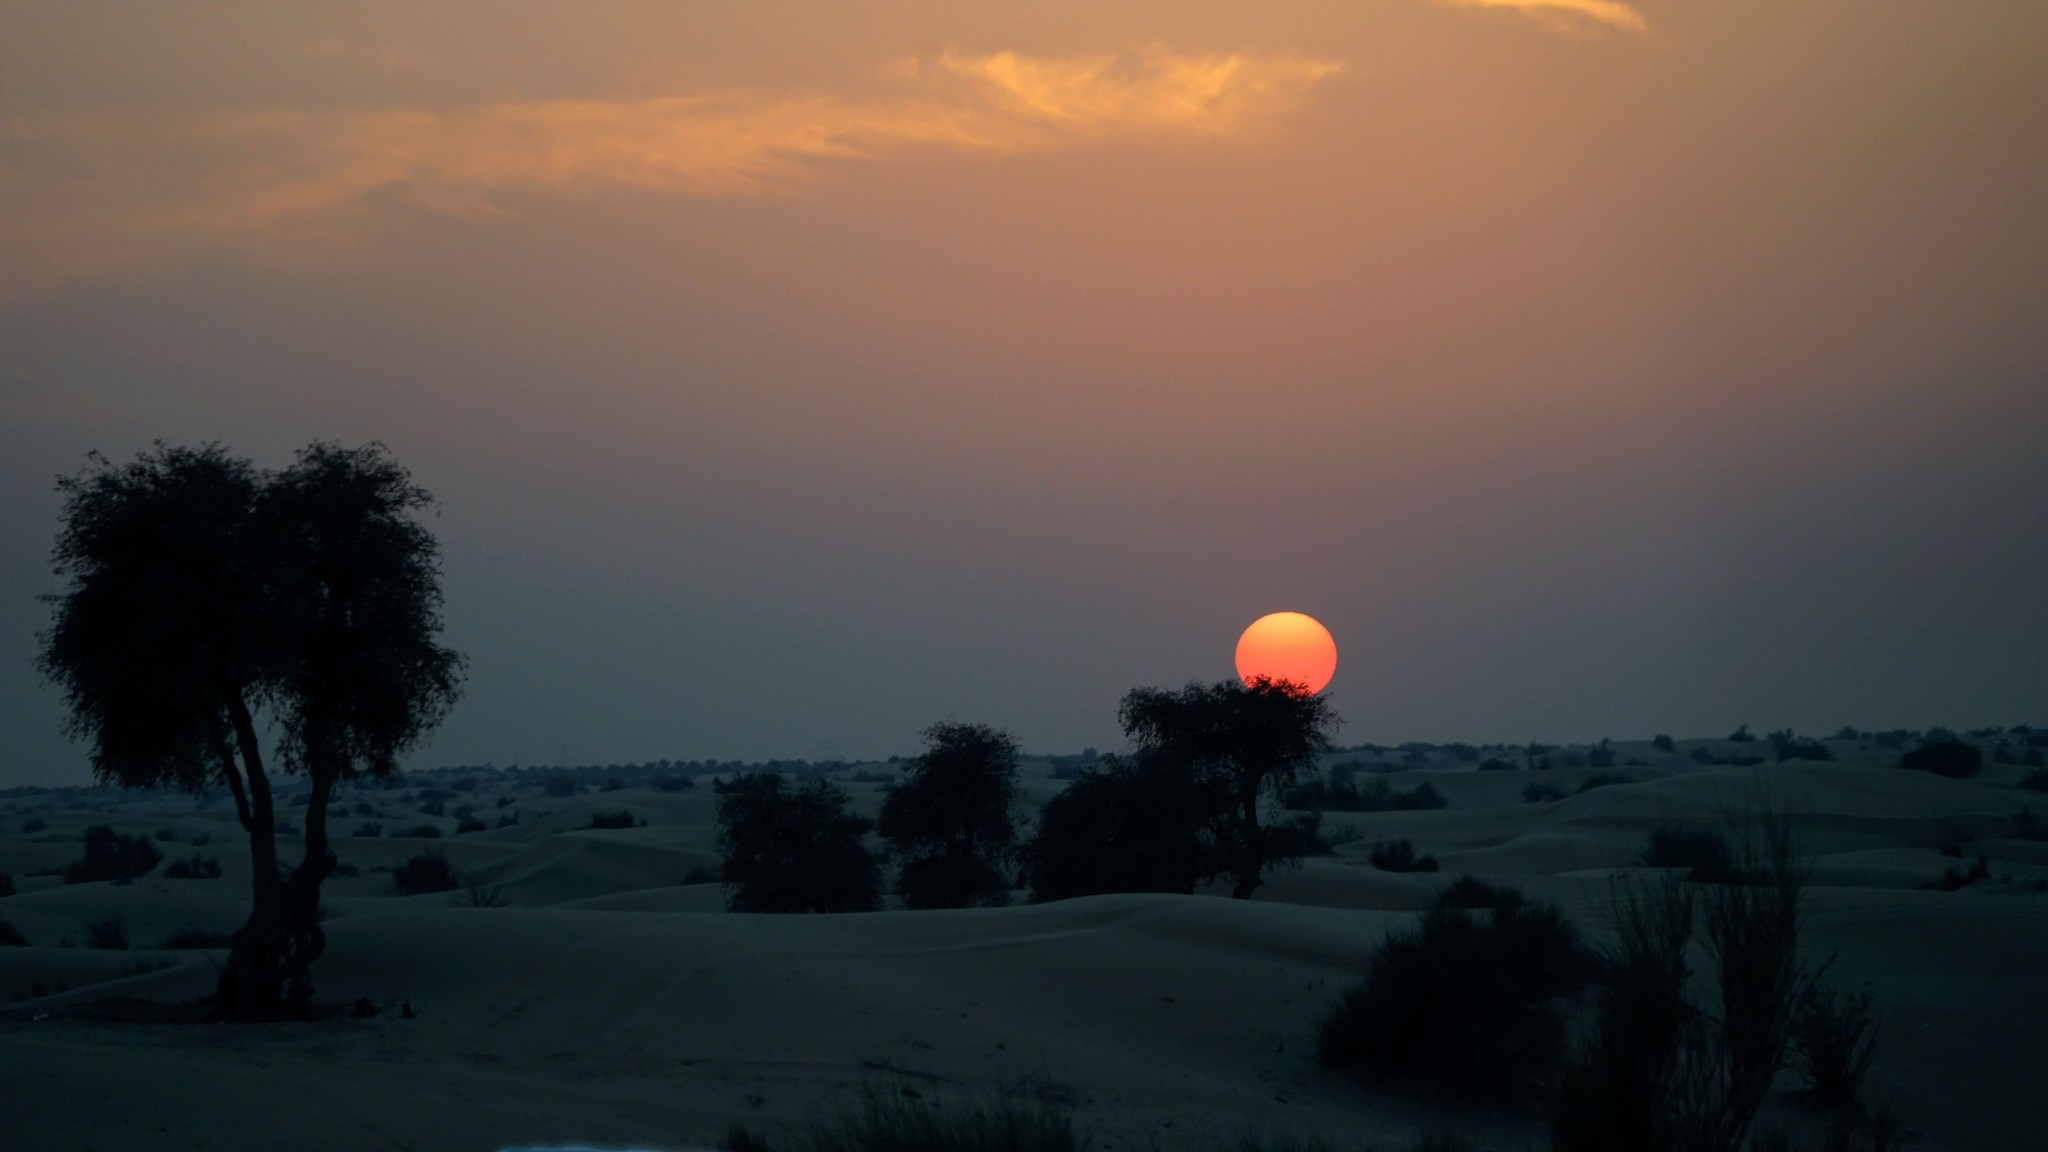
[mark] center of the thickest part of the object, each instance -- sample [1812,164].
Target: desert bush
[167,835]
[1129,825]
[507,819]
[1835,1038]
[194,867]
[108,933]
[1742,735]
[1399,856]
[674,782]
[620,819]
[369,830]
[1702,853]
[423,832]
[201,840]
[1661,1069]
[1375,796]
[470,824]
[2035,781]
[1496,764]
[1953,879]
[1604,779]
[1663,743]
[433,808]
[1950,757]
[1601,755]
[33,825]
[561,786]
[483,895]
[189,938]
[895,1122]
[2034,759]
[1472,892]
[613,785]
[109,856]
[701,876]
[363,808]
[1462,1002]
[11,937]
[6,885]
[793,849]
[424,872]
[1703,755]
[1538,792]
[1787,745]
[1952,839]
[2025,826]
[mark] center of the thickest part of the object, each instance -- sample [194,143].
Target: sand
[609,1002]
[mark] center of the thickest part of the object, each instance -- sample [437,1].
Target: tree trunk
[1253,851]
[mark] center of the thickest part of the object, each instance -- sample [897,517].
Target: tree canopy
[949,822]
[793,849]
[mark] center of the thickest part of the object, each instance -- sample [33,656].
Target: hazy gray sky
[794,376]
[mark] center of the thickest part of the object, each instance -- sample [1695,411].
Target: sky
[794,376]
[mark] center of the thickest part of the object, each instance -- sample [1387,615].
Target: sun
[1287,646]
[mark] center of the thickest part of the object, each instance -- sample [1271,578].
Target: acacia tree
[203,592]
[950,821]
[1132,824]
[793,848]
[1234,740]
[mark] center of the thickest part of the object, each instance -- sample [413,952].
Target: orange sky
[1587,366]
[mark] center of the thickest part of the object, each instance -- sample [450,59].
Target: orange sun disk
[1287,646]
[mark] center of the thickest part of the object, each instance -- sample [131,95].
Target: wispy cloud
[1569,15]
[81,191]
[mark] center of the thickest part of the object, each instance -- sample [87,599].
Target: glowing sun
[1287,646]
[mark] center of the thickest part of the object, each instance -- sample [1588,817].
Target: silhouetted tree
[202,590]
[1238,740]
[793,849]
[949,821]
[1131,824]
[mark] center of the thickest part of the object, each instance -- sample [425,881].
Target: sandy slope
[610,1002]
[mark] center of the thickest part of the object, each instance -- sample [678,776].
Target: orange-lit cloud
[1568,15]
[80,192]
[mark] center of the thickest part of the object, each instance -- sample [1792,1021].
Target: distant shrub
[1952,839]
[198,938]
[2025,826]
[619,819]
[484,895]
[423,832]
[701,876]
[112,857]
[470,824]
[433,808]
[613,785]
[6,885]
[2003,755]
[674,782]
[108,933]
[167,835]
[1835,1039]
[1704,755]
[794,849]
[1604,779]
[1742,735]
[1461,1002]
[368,831]
[1703,854]
[433,795]
[2034,759]
[507,819]
[1847,732]
[1663,743]
[1572,759]
[1601,755]
[2035,781]
[896,1122]
[194,867]
[1375,796]
[1539,792]
[1472,892]
[363,808]
[1399,856]
[561,786]
[1953,879]
[11,937]
[1787,745]
[1496,764]
[1463,753]
[424,872]
[33,825]
[1951,758]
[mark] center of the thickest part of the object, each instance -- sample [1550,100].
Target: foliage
[2036,780]
[1944,757]
[200,590]
[1601,755]
[424,872]
[1742,735]
[1835,1039]
[1399,856]
[895,1122]
[1130,824]
[1537,792]
[1496,764]
[1604,779]
[561,786]
[1463,1001]
[1663,743]
[1787,745]
[793,849]
[110,856]
[1376,796]
[949,820]
[1702,853]
[470,824]
[620,819]
[108,933]
[6,885]
[422,832]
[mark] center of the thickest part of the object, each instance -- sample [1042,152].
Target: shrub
[11,937]
[6,885]
[895,1122]
[2035,781]
[793,849]
[33,825]
[2025,826]
[1703,755]
[507,819]
[1496,764]
[369,830]
[423,832]
[2003,755]
[167,835]
[1461,1002]
[199,938]
[1399,856]
[613,785]
[1539,792]
[1603,779]
[561,786]
[1953,879]
[424,872]
[470,824]
[2034,759]
[1742,735]
[1601,755]
[619,819]
[433,808]
[484,895]
[196,867]
[1129,825]
[1951,758]
[674,782]
[1472,892]
[1663,743]
[112,857]
[1703,854]
[1789,746]
[701,876]
[1835,1039]
[108,933]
